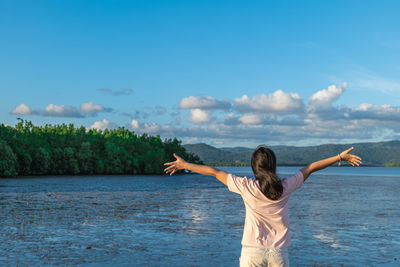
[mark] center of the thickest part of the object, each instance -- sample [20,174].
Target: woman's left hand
[350,158]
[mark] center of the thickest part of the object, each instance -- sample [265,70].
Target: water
[341,216]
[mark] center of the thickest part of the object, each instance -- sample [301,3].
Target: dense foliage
[373,154]
[63,149]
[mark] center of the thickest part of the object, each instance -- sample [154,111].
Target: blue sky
[227,73]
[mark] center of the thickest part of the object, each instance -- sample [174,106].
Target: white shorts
[257,257]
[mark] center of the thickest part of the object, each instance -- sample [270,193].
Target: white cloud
[89,107]
[151,128]
[199,116]
[374,112]
[61,111]
[250,119]
[277,102]
[231,119]
[102,125]
[22,109]
[203,102]
[135,124]
[323,99]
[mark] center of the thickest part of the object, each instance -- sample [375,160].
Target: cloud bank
[278,102]
[104,124]
[282,117]
[203,102]
[53,110]
[276,117]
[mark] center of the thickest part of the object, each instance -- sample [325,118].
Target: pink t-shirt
[267,221]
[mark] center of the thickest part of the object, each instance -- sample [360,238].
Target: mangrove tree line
[27,149]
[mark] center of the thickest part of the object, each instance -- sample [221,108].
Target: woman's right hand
[175,166]
[350,158]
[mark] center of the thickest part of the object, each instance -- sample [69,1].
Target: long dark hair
[263,163]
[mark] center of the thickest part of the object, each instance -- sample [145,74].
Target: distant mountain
[373,154]
[210,153]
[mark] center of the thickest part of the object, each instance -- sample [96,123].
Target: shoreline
[166,175]
[89,175]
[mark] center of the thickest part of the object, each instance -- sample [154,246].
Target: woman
[266,230]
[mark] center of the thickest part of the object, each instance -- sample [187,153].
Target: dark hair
[263,163]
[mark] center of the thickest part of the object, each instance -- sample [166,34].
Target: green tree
[99,166]
[8,160]
[24,162]
[58,161]
[154,161]
[64,149]
[86,158]
[112,163]
[41,161]
[70,162]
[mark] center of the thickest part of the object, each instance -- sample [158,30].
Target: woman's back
[267,221]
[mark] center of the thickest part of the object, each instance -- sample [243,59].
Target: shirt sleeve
[236,184]
[294,182]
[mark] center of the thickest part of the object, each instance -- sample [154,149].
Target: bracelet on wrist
[340,160]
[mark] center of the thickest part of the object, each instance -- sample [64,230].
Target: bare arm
[322,164]
[181,164]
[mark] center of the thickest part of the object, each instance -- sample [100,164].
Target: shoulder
[237,179]
[293,182]
[238,184]
[296,176]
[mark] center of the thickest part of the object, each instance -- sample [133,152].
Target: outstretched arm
[322,164]
[180,164]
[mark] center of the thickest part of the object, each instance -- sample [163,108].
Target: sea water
[340,216]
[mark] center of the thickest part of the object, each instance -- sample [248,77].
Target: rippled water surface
[340,216]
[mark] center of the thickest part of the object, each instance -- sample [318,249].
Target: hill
[373,154]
